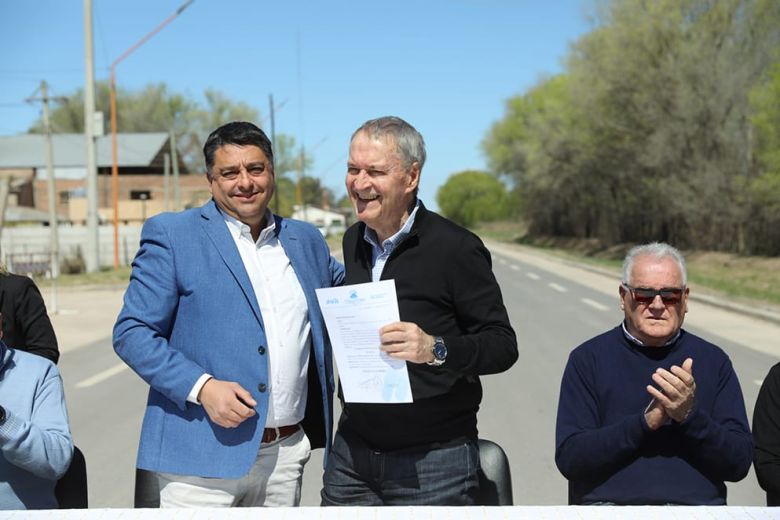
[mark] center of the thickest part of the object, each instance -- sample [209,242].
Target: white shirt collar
[638,342]
[370,236]
[238,228]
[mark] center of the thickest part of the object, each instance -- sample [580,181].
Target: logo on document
[353,297]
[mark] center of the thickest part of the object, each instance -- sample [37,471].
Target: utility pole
[167,182]
[299,185]
[176,185]
[114,158]
[5,190]
[273,146]
[92,254]
[54,245]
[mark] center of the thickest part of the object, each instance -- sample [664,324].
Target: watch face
[439,350]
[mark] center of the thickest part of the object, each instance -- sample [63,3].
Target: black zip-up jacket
[444,284]
[766,435]
[26,325]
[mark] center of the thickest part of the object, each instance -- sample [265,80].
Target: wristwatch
[439,352]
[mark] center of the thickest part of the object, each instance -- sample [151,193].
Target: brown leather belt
[274,434]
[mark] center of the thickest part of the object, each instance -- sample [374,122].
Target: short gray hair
[409,142]
[655,249]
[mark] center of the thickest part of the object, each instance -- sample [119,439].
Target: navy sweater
[607,451]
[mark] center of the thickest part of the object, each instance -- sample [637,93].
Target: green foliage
[765,101]
[312,193]
[472,196]
[648,134]
[284,197]
[344,202]
[155,109]
[764,189]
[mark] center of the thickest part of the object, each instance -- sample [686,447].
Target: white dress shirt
[285,318]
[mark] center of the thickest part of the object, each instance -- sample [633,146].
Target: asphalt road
[553,306]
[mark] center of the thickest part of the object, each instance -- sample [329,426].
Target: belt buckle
[271,435]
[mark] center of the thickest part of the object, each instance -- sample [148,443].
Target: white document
[353,315]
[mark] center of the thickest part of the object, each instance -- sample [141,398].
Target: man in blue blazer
[221,319]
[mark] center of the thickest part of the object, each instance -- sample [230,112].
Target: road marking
[501,261]
[759,382]
[532,276]
[594,304]
[102,376]
[559,288]
[514,267]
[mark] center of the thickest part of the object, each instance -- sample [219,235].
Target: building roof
[69,150]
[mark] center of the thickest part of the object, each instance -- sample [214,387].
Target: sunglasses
[646,295]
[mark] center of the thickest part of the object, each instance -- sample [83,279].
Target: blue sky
[447,67]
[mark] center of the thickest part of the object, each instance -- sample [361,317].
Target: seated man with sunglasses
[649,413]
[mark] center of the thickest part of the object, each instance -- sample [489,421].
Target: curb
[761,313]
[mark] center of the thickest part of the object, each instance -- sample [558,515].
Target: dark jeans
[356,475]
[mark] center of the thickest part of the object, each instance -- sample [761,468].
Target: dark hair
[239,133]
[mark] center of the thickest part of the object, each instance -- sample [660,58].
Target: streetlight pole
[93,224]
[52,193]
[114,165]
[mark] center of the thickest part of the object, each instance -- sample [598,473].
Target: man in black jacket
[24,319]
[453,328]
[766,436]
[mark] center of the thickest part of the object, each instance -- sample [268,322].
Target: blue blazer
[190,309]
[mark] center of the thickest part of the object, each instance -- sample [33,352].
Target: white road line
[501,261]
[559,288]
[102,376]
[595,305]
[514,267]
[759,382]
[532,276]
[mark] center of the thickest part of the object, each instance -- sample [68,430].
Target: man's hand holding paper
[370,370]
[404,340]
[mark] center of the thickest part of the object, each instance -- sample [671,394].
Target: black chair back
[495,479]
[71,489]
[147,491]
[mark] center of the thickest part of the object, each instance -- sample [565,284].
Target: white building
[327,221]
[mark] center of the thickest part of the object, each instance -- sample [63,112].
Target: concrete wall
[194,191]
[27,248]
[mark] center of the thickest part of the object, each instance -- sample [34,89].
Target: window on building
[140,194]
[64,197]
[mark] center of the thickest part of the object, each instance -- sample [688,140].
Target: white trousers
[274,480]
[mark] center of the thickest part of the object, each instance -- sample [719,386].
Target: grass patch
[106,276]
[334,242]
[750,279]
[743,277]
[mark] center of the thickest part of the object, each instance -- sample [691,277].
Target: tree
[472,196]
[155,109]
[765,188]
[284,198]
[649,129]
[312,193]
